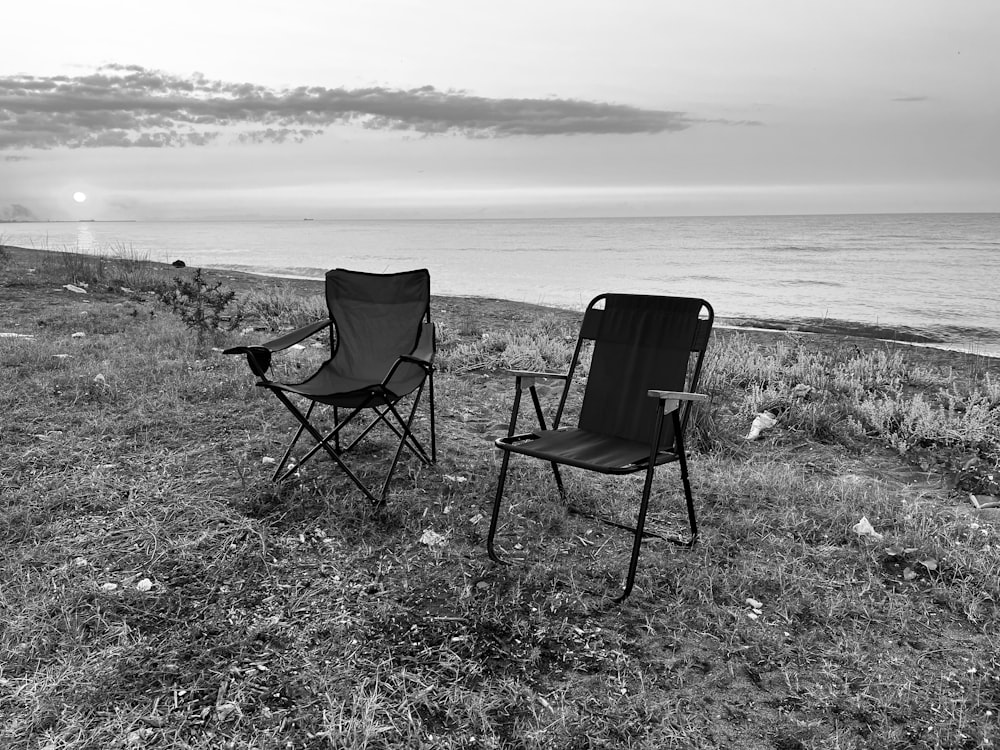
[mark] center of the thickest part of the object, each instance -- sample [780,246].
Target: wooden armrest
[670,401]
[677,395]
[532,374]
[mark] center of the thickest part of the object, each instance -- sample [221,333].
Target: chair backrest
[641,343]
[376,317]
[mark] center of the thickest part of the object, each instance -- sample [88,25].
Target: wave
[807,282]
[798,248]
[986,340]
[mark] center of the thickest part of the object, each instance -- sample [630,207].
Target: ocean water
[932,275]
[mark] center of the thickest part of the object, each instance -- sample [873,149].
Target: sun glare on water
[79,197]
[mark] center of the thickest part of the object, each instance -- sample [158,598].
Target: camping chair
[646,360]
[382,351]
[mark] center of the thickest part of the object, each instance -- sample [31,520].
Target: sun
[79,197]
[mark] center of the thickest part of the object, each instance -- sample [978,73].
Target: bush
[206,308]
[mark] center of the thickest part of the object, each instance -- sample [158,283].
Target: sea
[933,278]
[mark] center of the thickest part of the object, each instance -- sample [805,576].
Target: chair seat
[337,389]
[585,449]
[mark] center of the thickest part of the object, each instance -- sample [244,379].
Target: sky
[220,109]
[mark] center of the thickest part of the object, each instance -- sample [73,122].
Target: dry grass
[157,590]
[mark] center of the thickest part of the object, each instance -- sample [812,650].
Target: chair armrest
[294,337]
[259,355]
[671,400]
[532,374]
[423,353]
[677,395]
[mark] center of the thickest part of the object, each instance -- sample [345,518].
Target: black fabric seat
[647,358]
[381,352]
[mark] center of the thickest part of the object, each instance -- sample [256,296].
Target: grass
[158,590]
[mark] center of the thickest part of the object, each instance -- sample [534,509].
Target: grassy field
[157,590]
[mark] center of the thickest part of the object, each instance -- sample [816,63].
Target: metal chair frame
[663,406]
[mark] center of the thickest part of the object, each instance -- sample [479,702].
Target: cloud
[17,212]
[910,99]
[127,105]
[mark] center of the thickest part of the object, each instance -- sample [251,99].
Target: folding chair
[382,351]
[646,361]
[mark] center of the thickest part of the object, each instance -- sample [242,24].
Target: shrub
[206,308]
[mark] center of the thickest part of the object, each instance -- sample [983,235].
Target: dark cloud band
[132,106]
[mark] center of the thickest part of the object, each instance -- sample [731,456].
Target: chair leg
[319,439]
[404,441]
[688,497]
[644,504]
[336,432]
[291,445]
[495,517]
[430,394]
[640,524]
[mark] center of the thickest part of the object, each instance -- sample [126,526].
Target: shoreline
[243,280]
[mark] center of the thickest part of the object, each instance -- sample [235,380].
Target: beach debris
[431,538]
[228,711]
[74,288]
[865,530]
[6,335]
[78,335]
[267,460]
[981,502]
[756,608]
[144,585]
[450,478]
[63,356]
[99,379]
[763,421]
[802,391]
